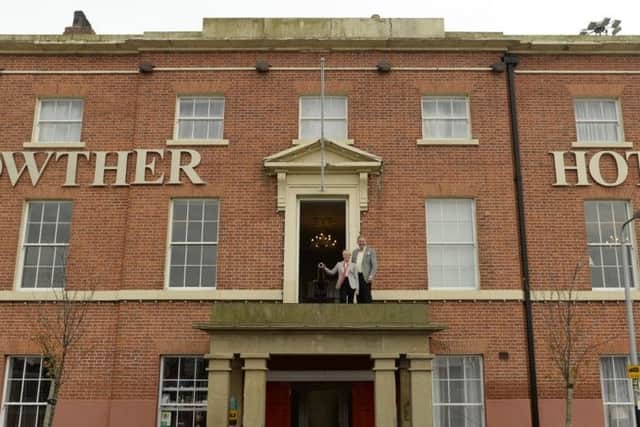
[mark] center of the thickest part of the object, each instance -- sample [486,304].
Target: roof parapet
[374,28]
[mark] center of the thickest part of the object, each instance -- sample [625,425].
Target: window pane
[32,367]
[309,107]
[217,107]
[29,416]
[215,129]
[186,107]
[310,129]
[210,253]
[35,211]
[195,210]
[185,129]
[202,107]
[179,210]
[200,129]
[178,253]
[335,129]
[179,232]
[176,276]
[30,391]
[13,416]
[47,110]
[15,390]
[16,367]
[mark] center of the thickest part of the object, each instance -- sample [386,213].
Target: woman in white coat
[347,281]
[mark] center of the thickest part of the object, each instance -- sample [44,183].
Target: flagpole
[322,124]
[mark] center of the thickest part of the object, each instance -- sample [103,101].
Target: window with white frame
[598,120]
[458,392]
[45,244]
[200,117]
[183,392]
[603,221]
[335,117]
[617,393]
[194,243]
[26,392]
[59,120]
[446,117]
[451,243]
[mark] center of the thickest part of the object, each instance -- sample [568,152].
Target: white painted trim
[53,144]
[301,199]
[448,295]
[198,142]
[346,115]
[250,69]
[150,295]
[577,71]
[345,187]
[604,144]
[446,97]
[277,295]
[176,119]
[320,376]
[311,141]
[598,144]
[35,130]
[476,247]
[448,142]
[168,256]
[17,276]
[4,388]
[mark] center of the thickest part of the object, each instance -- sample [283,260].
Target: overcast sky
[130,17]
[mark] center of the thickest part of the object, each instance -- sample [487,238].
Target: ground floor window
[25,393]
[617,393]
[183,392]
[458,394]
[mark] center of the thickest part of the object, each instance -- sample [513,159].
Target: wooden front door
[278,411]
[363,414]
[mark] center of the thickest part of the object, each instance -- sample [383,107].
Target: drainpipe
[511,61]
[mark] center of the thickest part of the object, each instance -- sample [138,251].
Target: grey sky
[129,17]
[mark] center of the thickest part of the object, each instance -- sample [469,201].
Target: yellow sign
[233,415]
[633,372]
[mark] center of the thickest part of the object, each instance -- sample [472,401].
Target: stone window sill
[309,141]
[602,144]
[447,142]
[54,144]
[198,142]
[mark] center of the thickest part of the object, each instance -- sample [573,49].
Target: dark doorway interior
[321,405]
[322,239]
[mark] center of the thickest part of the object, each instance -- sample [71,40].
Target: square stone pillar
[384,370]
[255,389]
[219,372]
[421,389]
[404,391]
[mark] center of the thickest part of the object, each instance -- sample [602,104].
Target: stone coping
[304,33]
[318,317]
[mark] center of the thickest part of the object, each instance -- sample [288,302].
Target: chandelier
[323,241]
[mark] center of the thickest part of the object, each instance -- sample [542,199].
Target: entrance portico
[297,170]
[253,333]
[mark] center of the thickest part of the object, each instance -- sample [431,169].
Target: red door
[278,404]
[362,404]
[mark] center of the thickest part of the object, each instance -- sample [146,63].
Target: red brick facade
[119,235]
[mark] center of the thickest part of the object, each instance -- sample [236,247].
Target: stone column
[384,370]
[421,389]
[404,391]
[219,371]
[255,389]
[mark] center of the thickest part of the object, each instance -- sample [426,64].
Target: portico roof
[339,157]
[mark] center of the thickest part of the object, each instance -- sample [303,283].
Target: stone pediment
[338,158]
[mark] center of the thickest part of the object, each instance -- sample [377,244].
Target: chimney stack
[81,24]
